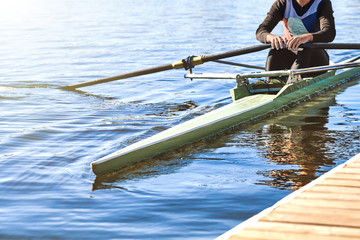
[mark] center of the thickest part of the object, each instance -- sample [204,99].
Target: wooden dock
[327,208]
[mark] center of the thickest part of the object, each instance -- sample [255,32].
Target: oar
[193,61]
[332,45]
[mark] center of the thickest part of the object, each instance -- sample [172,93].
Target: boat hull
[245,110]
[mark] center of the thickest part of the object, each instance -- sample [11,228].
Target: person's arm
[286,32]
[274,16]
[327,31]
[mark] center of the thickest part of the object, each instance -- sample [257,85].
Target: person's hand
[294,42]
[276,41]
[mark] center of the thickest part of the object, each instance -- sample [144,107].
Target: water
[50,136]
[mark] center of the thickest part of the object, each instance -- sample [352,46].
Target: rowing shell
[247,107]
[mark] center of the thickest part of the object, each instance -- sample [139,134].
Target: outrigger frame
[240,77]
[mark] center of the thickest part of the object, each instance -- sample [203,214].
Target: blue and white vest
[307,23]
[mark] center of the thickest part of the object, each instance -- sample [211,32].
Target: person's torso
[306,23]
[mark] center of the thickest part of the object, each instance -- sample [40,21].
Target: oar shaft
[175,65]
[332,45]
[234,53]
[122,76]
[260,47]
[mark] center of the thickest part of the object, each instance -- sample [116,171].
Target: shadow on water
[165,164]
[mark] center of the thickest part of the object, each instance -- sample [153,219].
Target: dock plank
[315,216]
[327,208]
[340,182]
[346,176]
[306,229]
[322,203]
[335,189]
[330,196]
[269,235]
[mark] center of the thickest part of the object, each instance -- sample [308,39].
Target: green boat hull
[245,109]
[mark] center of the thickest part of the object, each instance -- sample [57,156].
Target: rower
[303,21]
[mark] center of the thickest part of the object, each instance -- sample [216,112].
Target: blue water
[49,137]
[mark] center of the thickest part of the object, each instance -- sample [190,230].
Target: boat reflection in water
[301,144]
[293,146]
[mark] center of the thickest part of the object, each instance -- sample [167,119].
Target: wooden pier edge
[251,221]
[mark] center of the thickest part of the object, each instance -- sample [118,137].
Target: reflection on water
[294,145]
[301,141]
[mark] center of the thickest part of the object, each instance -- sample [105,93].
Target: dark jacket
[276,14]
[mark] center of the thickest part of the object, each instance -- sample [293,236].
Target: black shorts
[286,59]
